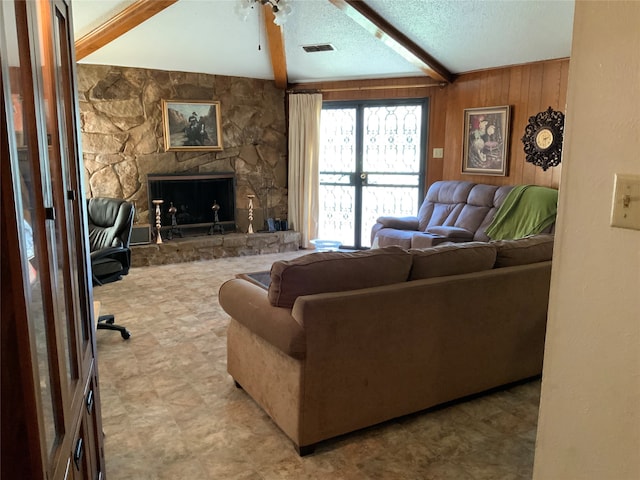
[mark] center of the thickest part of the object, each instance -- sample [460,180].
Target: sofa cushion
[426,240]
[533,249]
[443,214]
[451,232]
[478,203]
[448,259]
[336,271]
[443,203]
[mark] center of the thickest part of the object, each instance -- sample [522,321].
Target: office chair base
[105,322]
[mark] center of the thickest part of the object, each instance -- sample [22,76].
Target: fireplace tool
[174,223]
[216,220]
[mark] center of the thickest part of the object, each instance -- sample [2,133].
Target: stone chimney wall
[122,136]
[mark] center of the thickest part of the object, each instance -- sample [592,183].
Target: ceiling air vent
[323,47]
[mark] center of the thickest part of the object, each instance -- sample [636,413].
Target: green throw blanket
[527,210]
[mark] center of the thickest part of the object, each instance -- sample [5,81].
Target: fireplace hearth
[194,204]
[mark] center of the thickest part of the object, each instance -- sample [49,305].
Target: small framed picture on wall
[486,140]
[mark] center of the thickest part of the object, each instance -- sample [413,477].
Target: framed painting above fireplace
[191,125]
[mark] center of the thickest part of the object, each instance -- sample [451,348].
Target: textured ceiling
[208,36]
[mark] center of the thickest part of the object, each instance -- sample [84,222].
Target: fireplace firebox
[188,202]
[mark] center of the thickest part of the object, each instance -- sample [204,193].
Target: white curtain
[304,154]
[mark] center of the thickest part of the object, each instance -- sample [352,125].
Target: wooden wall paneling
[517,76]
[549,98]
[475,96]
[492,86]
[453,122]
[520,120]
[451,148]
[534,103]
[562,106]
[503,86]
[506,84]
[482,96]
[525,88]
[564,80]
[437,129]
[501,92]
[463,94]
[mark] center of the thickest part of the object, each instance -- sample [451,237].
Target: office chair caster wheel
[125,334]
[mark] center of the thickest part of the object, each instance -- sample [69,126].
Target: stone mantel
[209,247]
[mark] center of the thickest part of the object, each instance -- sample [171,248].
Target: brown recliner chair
[452,211]
[110,223]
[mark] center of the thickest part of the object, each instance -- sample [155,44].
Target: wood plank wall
[528,89]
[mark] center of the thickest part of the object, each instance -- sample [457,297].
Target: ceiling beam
[360,85]
[377,26]
[275,37]
[119,24]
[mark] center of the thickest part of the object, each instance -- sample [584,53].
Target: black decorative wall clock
[543,138]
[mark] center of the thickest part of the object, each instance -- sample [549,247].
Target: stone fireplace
[123,140]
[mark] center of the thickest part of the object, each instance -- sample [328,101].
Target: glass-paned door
[372,162]
[50,324]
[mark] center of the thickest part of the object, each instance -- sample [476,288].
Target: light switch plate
[438,152]
[625,210]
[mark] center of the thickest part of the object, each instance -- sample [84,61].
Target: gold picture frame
[191,125]
[486,141]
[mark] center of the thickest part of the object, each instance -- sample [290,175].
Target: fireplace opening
[188,202]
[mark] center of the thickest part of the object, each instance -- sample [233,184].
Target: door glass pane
[32,233]
[56,158]
[392,158]
[392,139]
[337,166]
[383,201]
[69,161]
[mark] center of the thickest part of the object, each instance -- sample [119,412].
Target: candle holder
[250,197]
[157,203]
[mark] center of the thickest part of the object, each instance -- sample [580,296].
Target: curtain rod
[364,88]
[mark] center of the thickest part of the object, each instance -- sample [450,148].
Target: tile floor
[171,411]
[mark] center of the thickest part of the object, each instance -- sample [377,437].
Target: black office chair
[110,223]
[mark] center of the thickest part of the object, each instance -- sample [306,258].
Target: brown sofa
[342,341]
[452,211]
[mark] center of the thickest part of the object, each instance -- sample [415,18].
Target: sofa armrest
[249,305]
[399,223]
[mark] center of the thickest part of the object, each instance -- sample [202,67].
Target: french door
[372,162]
